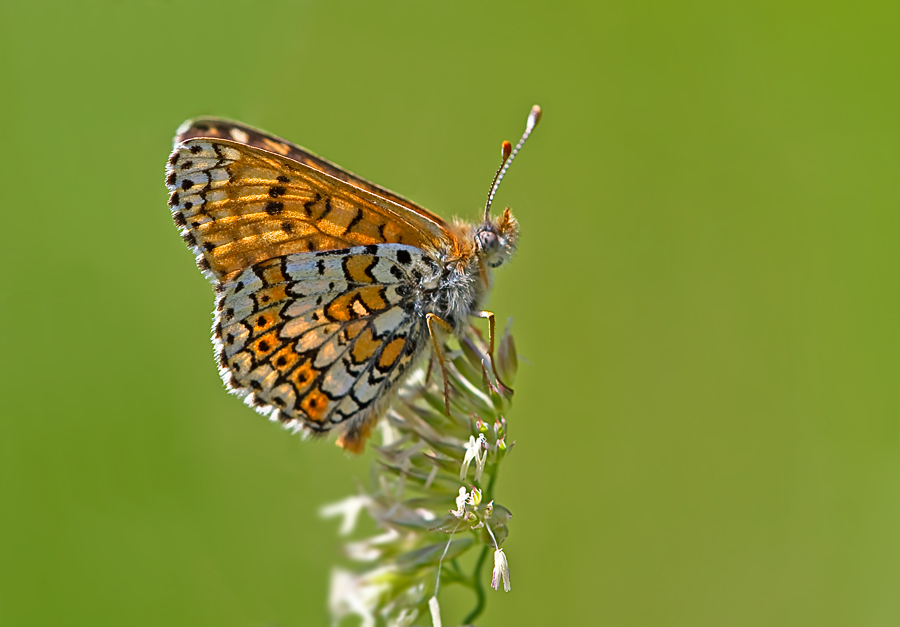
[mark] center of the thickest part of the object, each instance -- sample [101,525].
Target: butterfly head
[495,239]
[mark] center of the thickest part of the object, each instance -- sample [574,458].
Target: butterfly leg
[490,318]
[433,320]
[430,368]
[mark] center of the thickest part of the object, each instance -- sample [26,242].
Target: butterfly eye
[488,242]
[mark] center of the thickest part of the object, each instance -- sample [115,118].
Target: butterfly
[328,287]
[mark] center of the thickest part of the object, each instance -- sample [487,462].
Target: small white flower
[349,508]
[367,550]
[471,453]
[501,571]
[475,449]
[354,594]
[435,612]
[460,510]
[481,460]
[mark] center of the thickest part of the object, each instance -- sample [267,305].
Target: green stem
[490,488]
[456,568]
[478,587]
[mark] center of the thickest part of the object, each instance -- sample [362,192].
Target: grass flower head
[436,522]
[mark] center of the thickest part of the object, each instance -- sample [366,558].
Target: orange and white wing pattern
[238,205]
[320,340]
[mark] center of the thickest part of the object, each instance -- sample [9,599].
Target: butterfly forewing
[238,205]
[319,340]
[241,133]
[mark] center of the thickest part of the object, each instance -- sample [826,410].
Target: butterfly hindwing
[319,340]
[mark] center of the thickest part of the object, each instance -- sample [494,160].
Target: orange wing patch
[365,347]
[357,303]
[303,376]
[359,268]
[315,405]
[390,353]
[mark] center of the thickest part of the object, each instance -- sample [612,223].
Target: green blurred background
[705,299]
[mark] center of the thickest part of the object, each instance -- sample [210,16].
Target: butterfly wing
[238,205]
[319,341]
[243,134]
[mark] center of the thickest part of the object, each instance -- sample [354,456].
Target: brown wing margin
[235,131]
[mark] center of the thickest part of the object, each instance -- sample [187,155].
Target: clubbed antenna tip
[533,118]
[507,157]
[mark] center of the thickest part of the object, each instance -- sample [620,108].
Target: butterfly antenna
[507,154]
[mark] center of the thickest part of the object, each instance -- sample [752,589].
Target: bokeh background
[705,301]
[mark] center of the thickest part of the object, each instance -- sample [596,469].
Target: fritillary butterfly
[328,286]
